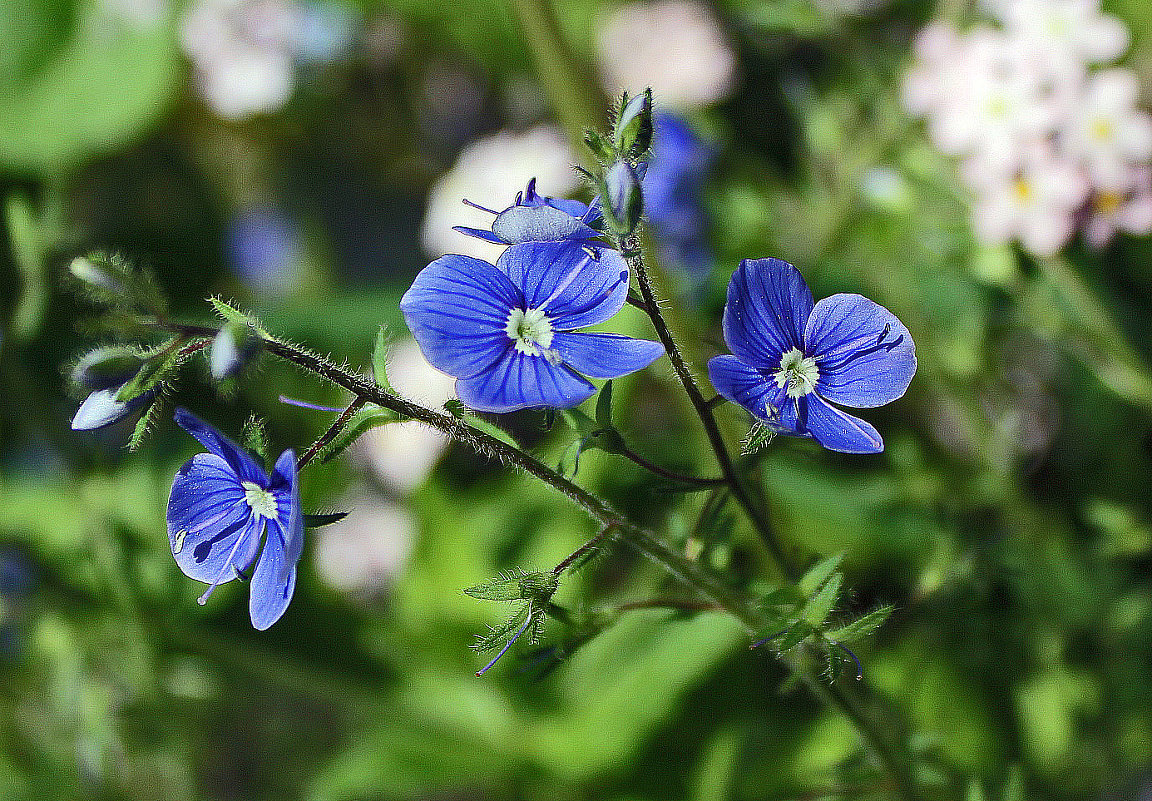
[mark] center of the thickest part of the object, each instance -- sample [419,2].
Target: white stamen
[531,332]
[798,373]
[261,501]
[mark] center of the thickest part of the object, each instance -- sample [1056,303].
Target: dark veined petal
[744,385]
[539,224]
[768,307]
[209,522]
[577,284]
[866,356]
[457,308]
[520,381]
[273,582]
[242,465]
[289,517]
[836,430]
[605,355]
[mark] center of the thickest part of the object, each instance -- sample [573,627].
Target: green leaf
[364,420]
[604,406]
[795,635]
[254,437]
[820,605]
[455,407]
[579,422]
[498,636]
[100,88]
[519,585]
[380,360]
[861,627]
[154,373]
[26,235]
[818,574]
[231,314]
[599,147]
[491,429]
[757,437]
[145,424]
[318,520]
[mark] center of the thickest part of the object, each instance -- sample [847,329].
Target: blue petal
[209,522]
[520,381]
[837,430]
[289,517]
[866,356]
[457,308]
[605,355]
[479,233]
[539,224]
[101,409]
[744,385]
[577,284]
[768,306]
[581,211]
[243,466]
[272,584]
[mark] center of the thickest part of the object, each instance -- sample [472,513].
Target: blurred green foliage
[1007,521]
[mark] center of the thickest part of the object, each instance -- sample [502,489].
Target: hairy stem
[703,407]
[330,434]
[484,444]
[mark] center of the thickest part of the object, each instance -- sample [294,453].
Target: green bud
[106,367]
[100,274]
[623,200]
[633,134]
[232,348]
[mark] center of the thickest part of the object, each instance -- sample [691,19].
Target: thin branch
[656,469]
[331,433]
[703,408]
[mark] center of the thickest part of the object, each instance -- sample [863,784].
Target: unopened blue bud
[625,201]
[232,348]
[101,409]
[106,367]
[633,134]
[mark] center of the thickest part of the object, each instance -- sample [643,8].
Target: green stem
[330,434]
[484,444]
[567,79]
[703,407]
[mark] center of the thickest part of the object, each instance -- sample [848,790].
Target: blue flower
[222,507]
[793,359]
[673,186]
[536,218]
[507,332]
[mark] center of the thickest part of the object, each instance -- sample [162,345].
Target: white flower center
[531,332]
[797,372]
[260,500]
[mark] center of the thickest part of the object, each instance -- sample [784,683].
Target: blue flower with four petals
[508,332]
[793,359]
[223,506]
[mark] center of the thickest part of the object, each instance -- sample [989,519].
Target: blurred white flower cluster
[1050,137]
[676,47]
[245,52]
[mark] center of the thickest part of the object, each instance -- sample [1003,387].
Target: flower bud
[101,409]
[105,368]
[633,134]
[232,348]
[624,201]
[99,274]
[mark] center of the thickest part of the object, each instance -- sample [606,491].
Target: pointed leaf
[818,573]
[861,627]
[366,418]
[818,608]
[318,520]
[604,406]
[145,425]
[380,360]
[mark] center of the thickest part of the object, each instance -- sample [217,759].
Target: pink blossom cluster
[1049,135]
